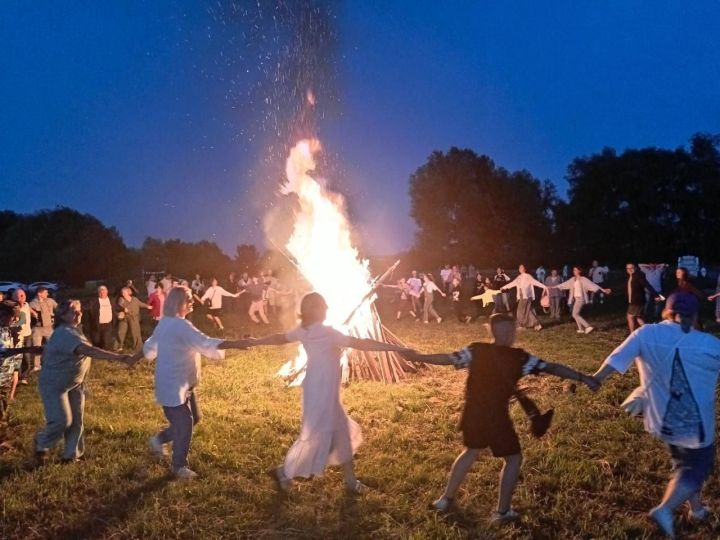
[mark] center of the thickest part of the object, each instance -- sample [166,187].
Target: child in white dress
[327,436]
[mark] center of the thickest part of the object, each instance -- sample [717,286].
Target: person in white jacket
[525,285]
[580,287]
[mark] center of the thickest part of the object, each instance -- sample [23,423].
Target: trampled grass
[594,475]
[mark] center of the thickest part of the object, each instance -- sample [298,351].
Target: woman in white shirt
[176,345]
[213,299]
[579,287]
[429,288]
[525,285]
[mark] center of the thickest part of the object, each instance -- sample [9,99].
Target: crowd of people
[570,289]
[678,365]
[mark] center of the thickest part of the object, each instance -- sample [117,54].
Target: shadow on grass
[108,512]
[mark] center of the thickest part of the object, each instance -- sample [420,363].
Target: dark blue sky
[142,113]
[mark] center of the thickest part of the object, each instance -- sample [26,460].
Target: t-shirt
[415,286]
[255,291]
[60,361]
[26,328]
[105,315]
[597,273]
[494,371]
[46,309]
[678,372]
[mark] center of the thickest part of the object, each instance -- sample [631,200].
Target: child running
[494,370]
[327,436]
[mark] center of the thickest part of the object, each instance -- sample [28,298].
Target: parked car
[6,286]
[49,285]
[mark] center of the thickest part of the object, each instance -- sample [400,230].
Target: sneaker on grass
[184,473]
[357,489]
[499,518]
[589,329]
[157,447]
[443,504]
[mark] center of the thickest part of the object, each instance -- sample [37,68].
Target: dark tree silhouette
[468,209]
[61,244]
[646,204]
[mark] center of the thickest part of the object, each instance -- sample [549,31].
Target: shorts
[635,311]
[215,312]
[692,466]
[498,435]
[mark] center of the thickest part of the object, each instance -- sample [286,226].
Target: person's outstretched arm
[274,339]
[372,345]
[101,354]
[435,359]
[565,372]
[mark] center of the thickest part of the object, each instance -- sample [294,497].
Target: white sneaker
[498,518]
[537,327]
[589,329]
[443,504]
[358,489]
[580,331]
[184,473]
[158,448]
[439,320]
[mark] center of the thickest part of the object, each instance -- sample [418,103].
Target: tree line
[68,246]
[646,204]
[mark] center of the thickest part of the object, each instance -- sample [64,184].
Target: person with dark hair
[501,301]
[429,290]
[66,362]
[327,436]
[637,285]
[525,285]
[556,296]
[25,333]
[176,346]
[156,301]
[42,308]
[678,368]
[416,285]
[403,298]
[580,287]
[494,370]
[213,300]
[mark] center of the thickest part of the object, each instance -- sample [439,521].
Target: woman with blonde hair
[66,362]
[176,345]
[327,436]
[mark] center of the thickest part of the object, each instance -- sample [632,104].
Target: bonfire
[321,248]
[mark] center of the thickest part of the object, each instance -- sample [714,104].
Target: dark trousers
[104,336]
[182,419]
[28,359]
[129,325]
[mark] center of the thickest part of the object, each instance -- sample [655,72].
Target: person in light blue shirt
[678,368]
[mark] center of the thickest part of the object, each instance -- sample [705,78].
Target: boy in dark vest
[493,372]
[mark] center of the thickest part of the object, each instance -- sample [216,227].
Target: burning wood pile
[321,248]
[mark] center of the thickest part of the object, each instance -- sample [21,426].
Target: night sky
[153,115]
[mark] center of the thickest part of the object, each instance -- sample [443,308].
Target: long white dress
[327,436]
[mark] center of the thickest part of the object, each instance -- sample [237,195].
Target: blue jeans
[692,466]
[182,419]
[64,413]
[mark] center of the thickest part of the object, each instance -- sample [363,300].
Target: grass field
[594,475]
